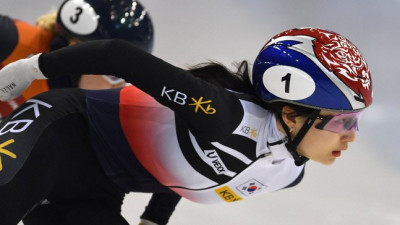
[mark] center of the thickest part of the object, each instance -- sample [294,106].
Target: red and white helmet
[314,68]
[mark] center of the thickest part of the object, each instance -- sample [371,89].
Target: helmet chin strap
[291,145]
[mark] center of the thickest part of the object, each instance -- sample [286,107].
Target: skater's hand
[17,76]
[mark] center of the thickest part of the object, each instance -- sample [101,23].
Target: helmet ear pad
[98,19]
[306,66]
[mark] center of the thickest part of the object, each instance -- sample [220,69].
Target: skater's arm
[209,110]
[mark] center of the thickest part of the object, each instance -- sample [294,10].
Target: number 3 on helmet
[314,68]
[87,20]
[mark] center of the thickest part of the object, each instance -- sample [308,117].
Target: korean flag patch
[250,187]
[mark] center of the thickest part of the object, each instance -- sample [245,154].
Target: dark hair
[219,75]
[276,108]
[239,81]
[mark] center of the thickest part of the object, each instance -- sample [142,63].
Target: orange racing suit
[21,40]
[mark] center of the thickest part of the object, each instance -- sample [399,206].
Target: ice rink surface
[363,186]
